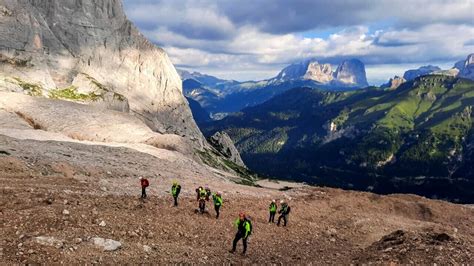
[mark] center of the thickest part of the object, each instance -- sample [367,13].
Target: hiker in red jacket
[144,182]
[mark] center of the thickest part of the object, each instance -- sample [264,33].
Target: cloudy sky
[254,39]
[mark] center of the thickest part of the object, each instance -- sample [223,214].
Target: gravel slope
[96,183]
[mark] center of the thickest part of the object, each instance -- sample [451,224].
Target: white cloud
[185,18]
[203,35]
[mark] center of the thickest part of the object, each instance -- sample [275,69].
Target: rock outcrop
[106,244]
[224,144]
[319,72]
[293,71]
[21,113]
[394,82]
[68,45]
[466,67]
[351,73]
[421,71]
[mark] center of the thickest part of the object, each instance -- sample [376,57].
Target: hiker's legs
[143,192]
[175,201]
[202,206]
[284,220]
[238,236]
[217,207]
[272,217]
[245,245]
[279,219]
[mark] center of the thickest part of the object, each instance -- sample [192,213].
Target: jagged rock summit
[394,82]
[466,67]
[350,73]
[89,51]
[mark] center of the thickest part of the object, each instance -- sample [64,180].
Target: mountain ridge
[220,97]
[371,139]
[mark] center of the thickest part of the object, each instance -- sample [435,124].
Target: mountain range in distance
[219,97]
[415,136]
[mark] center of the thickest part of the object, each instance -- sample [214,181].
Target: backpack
[251,227]
[217,200]
[175,189]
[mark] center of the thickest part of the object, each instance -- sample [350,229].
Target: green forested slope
[416,138]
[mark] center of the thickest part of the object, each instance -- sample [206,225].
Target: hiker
[201,199]
[175,189]
[198,192]
[208,193]
[284,211]
[217,198]
[244,229]
[144,183]
[273,209]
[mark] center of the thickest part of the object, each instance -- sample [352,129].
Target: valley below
[417,138]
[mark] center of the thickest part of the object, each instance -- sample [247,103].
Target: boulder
[49,241]
[106,244]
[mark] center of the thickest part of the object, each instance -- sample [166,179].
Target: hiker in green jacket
[217,198]
[273,209]
[175,189]
[201,198]
[244,229]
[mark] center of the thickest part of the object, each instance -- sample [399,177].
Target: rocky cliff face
[224,144]
[421,71]
[466,67]
[319,72]
[350,73]
[62,47]
[293,71]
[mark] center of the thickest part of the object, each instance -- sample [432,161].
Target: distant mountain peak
[466,67]
[204,79]
[319,72]
[421,71]
[394,82]
[350,73]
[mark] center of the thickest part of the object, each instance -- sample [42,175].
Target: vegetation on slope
[367,139]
